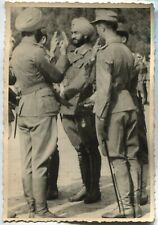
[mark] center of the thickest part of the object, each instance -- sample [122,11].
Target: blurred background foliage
[59,19]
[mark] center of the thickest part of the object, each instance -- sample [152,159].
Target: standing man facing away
[37,109]
[79,121]
[116,118]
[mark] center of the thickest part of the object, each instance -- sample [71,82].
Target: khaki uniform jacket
[78,81]
[35,74]
[114,67]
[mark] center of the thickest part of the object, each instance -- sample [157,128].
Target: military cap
[122,28]
[82,25]
[29,20]
[105,15]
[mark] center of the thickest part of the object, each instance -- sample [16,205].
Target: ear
[44,39]
[85,37]
[124,40]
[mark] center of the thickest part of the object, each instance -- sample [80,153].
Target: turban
[29,20]
[83,26]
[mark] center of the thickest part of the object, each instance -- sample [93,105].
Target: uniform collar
[28,40]
[32,42]
[111,41]
[82,50]
[78,53]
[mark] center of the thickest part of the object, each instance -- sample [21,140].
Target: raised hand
[54,42]
[64,44]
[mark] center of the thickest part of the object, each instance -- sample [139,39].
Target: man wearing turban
[79,121]
[37,110]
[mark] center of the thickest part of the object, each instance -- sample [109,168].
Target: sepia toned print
[79,112]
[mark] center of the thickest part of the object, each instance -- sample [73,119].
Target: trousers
[38,140]
[82,134]
[80,130]
[122,134]
[123,146]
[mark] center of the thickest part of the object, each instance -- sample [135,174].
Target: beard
[79,42]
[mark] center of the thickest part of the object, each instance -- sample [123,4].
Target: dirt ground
[69,182]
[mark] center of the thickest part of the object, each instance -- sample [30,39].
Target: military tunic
[114,66]
[116,119]
[79,121]
[37,111]
[78,86]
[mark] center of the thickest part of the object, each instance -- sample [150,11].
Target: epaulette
[103,47]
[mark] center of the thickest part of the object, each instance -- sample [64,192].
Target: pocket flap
[45,92]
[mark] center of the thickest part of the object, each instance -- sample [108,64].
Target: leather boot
[93,193]
[28,193]
[123,186]
[46,214]
[115,214]
[27,188]
[31,207]
[39,190]
[137,208]
[84,174]
[11,214]
[143,185]
[53,169]
[134,168]
[79,196]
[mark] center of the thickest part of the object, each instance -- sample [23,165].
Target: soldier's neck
[29,39]
[109,35]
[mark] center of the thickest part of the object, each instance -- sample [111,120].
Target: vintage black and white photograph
[79,112]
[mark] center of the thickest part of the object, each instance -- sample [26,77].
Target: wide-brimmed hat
[29,20]
[105,15]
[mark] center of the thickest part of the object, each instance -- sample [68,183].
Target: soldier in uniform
[142,79]
[37,109]
[12,95]
[79,121]
[116,117]
[143,146]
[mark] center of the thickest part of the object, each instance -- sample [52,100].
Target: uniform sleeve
[53,72]
[80,81]
[104,91]
[107,79]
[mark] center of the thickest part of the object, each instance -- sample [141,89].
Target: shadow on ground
[63,207]
[62,204]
